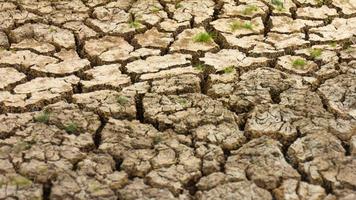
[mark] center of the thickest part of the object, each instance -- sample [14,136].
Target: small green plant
[135,24]
[315,53]
[200,67]
[203,37]
[52,30]
[236,25]
[21,181]
[157,139]
[229,69]
[333,44]
[319,2]
[94,187]
[122,100]
[155,9]
[279,4]
[43,117]
[182,101]
[21,146]
[178,5]
[349,49]
[71,128]
[250,9]
[299,63]
[247,25]
[43,169]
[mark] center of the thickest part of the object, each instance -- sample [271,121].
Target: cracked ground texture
[178,99]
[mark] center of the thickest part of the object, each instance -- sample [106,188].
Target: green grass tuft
[52,30]
[155,9]
[21,146]
[299,63]
[237,25]
[333,44]
[229,70]
[21,181]
[135,24]
[43,117]
[315,53]
[71,128]
[182,101]
[157,139]
[203,37]
[200,67]
[320,2]
[122,100]
[178,5]
[250,9]
[279,4]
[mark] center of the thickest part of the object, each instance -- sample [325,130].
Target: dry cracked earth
[178,99]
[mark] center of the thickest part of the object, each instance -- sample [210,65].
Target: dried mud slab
[108,49]
[287,41]
[154,39]
[247,9]
[292,189]
[38,92]
[347,7]
[340,29]
[324,165]
[231,58]
[186,83]
[10,77]
[254,87]
[149,12]
[139,158]
[16,185]
[12,17]
[242,189]
[156,64]
[61,114]
[48,143]
[261,161]
[316,13]
[111,19]
[295,117]
[238,27]
[34,45]
[44,33]
[197,11]
[189,41]
[23,60]
[185,112]
[297,65]
[64,68]
[108,103]
[274,121]
[339,95]
[282,24]
[95,178]
[137,189]
[349,53]
[105,77]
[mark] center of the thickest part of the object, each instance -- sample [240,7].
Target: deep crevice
[97,135]
[139,107]
[47,189]
[347,148]
[118,163]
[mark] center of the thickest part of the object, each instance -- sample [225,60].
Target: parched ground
[178,99]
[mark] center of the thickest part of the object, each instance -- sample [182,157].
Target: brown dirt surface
[177,99]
